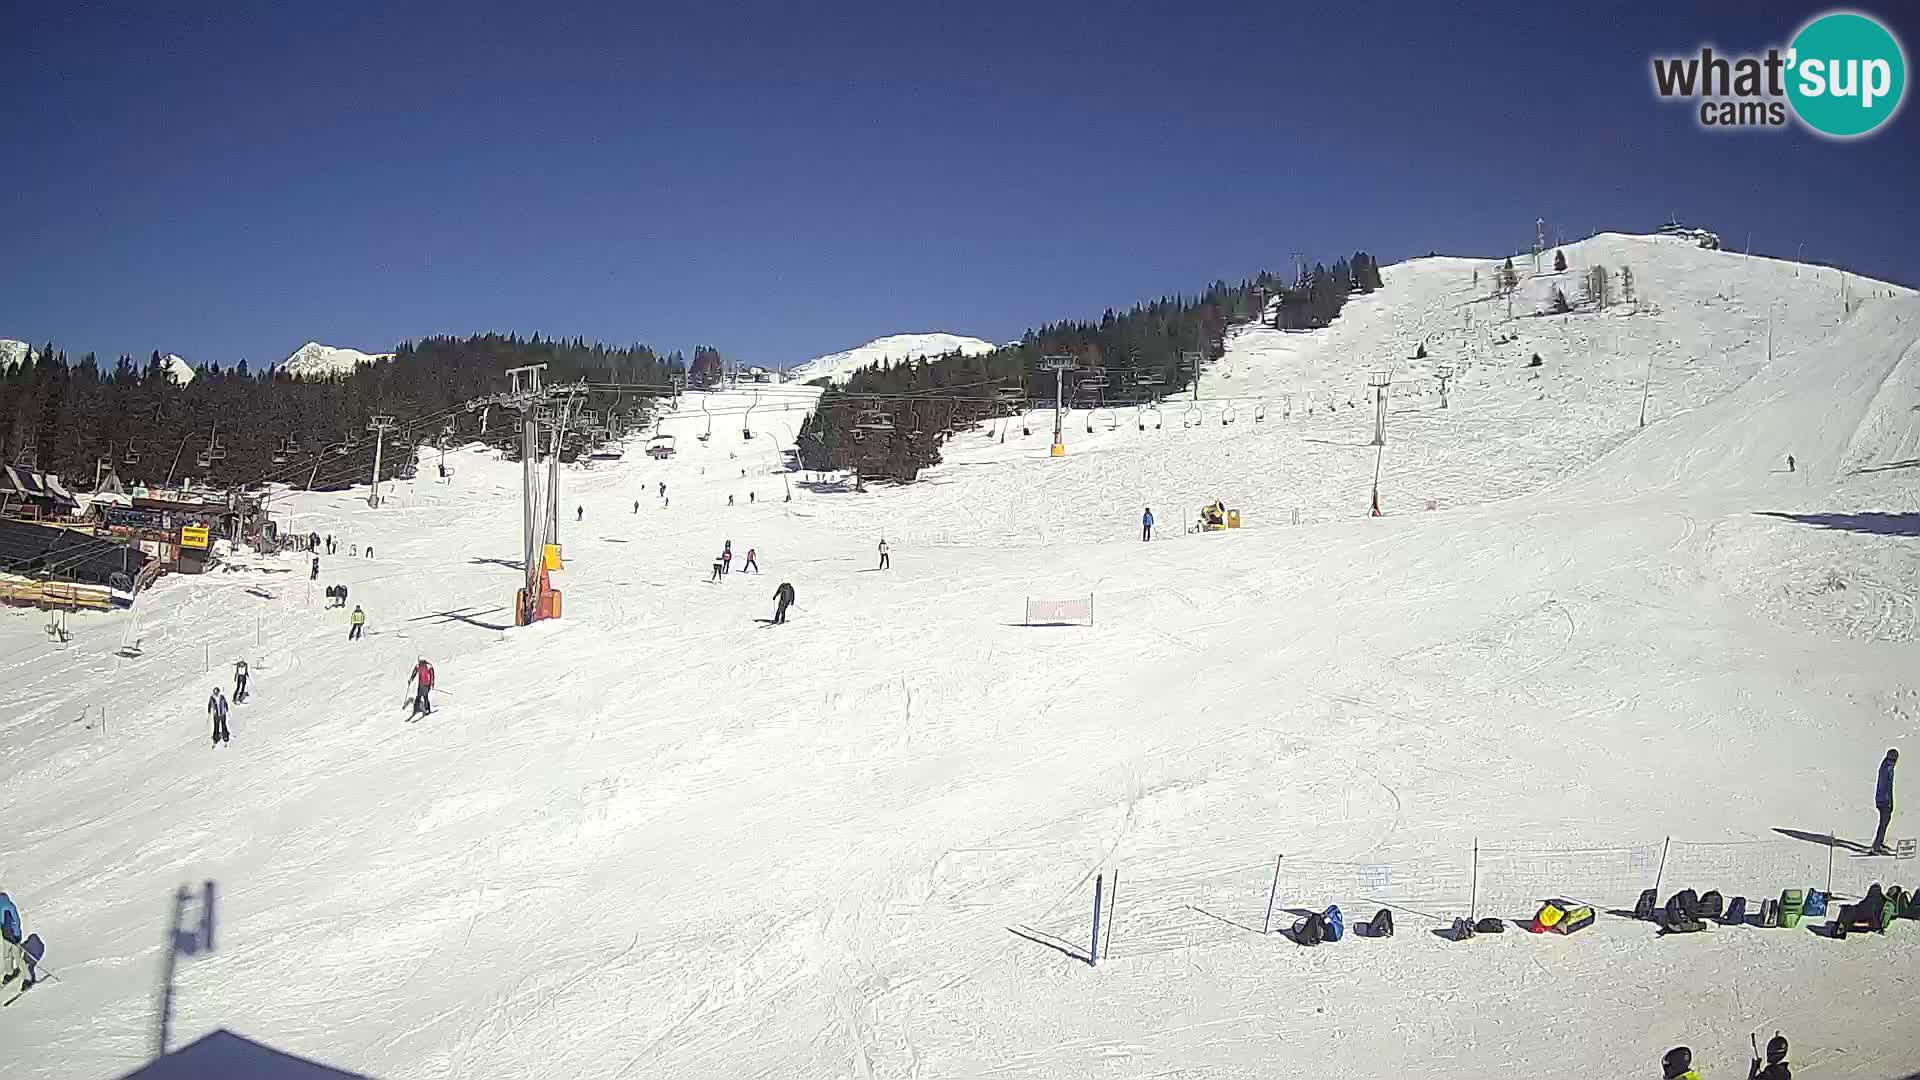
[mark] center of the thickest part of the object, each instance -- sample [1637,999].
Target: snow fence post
[1831,844]
[1662,872]
[1093,949]
[1113,897]
[1272,893]
[1473,889]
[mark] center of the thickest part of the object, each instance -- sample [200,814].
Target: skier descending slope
[239,681]
[422,682]
[782,600]
[217,708]
[14,961]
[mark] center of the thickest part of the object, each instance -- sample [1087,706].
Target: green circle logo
[1846,75]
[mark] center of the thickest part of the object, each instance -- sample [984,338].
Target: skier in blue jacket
[1146,524]
[14,961]
[1883,801]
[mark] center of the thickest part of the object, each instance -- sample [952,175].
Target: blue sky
[231,180]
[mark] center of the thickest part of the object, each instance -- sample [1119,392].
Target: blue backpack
[1336,923]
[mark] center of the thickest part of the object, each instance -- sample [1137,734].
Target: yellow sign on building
[193,536]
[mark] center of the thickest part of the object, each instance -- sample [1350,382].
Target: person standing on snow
[886,561]
[1678,1065]
[636,506]
[749,564]
[422,682]
[15,962]
[579,513]
[1883,800]
[1776,1066]
[1146,525]
[217,708]
[314,574]
[782,600]
[239,680]
[313,541]
[359,621]
[1789,462]
[369,551]
[718,566]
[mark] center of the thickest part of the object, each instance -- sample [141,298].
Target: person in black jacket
[782,599]
[1776,1066]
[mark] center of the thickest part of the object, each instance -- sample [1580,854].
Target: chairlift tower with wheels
[1378,382]
[1058,363]
[379,425]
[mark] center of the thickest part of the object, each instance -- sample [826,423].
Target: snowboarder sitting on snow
[217,708]
[239,680]
[15,963]
[782,599]
[359,621]
[422,681]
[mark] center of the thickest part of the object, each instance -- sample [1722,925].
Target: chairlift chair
[1260,412]
[1228,415]
[131,457]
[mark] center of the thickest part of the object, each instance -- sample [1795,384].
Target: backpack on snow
[1462,929]
[1736,912]
[1649,900]
[1381,925]
[1710,905]
[1336,923]
[1311,930]
[1490,925]
[1815,905]
[1769,913]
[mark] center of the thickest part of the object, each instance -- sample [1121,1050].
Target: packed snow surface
[841,365]
[659,837]
[316,361]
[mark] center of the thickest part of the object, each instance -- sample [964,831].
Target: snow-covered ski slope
[658,837]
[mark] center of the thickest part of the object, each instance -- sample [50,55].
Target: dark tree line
[237,426]
[889,419]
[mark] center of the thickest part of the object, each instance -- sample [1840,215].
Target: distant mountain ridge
[316,361]
[839,366]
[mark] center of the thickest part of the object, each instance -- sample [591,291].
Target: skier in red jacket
[422,681]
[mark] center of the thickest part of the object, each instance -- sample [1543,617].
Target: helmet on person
[1678,1060]
[1776,1049]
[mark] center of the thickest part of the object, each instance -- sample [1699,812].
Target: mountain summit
[839,366]
[316,361]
